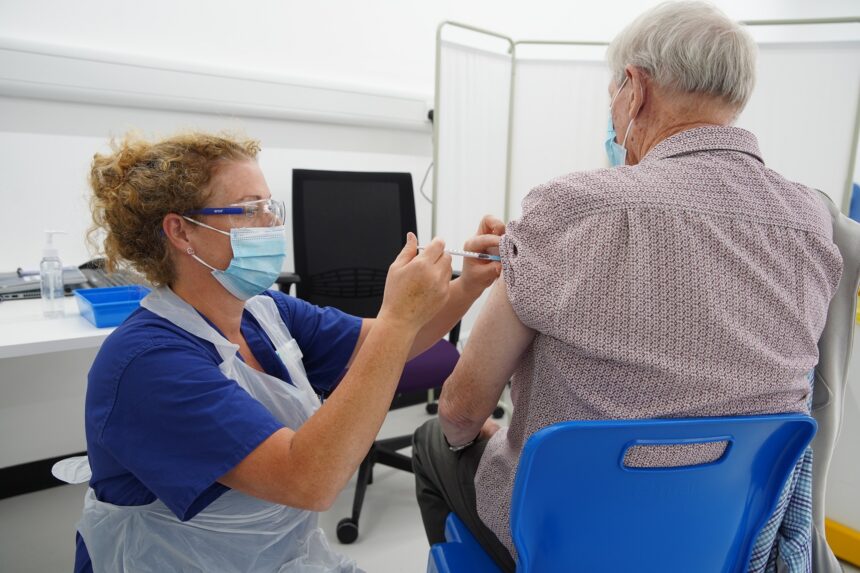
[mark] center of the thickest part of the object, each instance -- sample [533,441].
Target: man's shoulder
[754,194]
[583,193]
[801,206]
[591,182]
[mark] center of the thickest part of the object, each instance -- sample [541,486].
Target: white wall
[384,43]
[46,149]
[58,107]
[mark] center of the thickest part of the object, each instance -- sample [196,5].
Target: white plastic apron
[236,532]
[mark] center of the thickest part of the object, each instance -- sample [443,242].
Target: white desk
[24,331]
[43,379]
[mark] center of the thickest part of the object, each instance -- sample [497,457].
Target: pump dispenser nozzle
[50,250]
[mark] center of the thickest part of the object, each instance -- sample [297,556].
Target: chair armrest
[454,335]
[286,280]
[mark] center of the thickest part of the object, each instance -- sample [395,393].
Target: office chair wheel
[498,413]
[347,530]
[432,408]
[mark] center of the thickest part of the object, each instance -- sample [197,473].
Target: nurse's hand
[417,285]
[477,274]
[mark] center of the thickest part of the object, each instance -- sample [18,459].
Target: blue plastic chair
[577,507]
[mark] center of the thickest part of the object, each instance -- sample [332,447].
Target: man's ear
[640,87]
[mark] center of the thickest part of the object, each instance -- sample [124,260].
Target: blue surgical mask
[616,152]
[258,255]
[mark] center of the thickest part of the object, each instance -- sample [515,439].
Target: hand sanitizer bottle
[51,276]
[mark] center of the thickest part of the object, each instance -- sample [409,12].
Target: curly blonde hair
[141,181]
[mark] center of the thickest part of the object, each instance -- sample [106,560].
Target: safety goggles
[259,213]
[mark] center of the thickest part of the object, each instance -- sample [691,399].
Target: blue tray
[109,306]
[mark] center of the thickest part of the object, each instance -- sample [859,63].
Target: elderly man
[687,280]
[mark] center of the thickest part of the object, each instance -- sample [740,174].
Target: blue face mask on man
[616,152]
[258,255]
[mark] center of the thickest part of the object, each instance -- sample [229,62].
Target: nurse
[208,446]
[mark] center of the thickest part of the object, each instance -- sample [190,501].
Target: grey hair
[690,47]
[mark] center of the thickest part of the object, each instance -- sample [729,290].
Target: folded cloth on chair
[785,543]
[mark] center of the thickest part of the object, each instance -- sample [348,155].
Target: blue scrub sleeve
[178,424]
[327,337]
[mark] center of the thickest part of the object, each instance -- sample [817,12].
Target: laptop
[16,287]
[13,286]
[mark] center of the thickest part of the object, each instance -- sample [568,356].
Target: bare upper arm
[494,349]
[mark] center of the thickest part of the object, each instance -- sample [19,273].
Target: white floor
[37,530]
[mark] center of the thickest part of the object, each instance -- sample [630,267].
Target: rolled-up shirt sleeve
[532,262]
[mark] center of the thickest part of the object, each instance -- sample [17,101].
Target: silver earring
[189,250]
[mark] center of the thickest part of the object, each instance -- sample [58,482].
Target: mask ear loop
[618,92]
[196,222]
[626,133]
[629,125]
[190,251]
[615,97]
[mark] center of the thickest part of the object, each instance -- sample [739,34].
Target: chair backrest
[831,375]
[681,519]
[347,229]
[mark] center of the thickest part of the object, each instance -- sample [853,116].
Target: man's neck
[651,139]
[670,113]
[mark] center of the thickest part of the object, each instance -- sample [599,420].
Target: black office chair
[347,229]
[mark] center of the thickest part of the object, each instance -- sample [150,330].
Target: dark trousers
[445,483]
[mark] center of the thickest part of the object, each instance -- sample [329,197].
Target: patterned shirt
[695,283]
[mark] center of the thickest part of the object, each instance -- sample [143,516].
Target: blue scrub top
[163,422]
